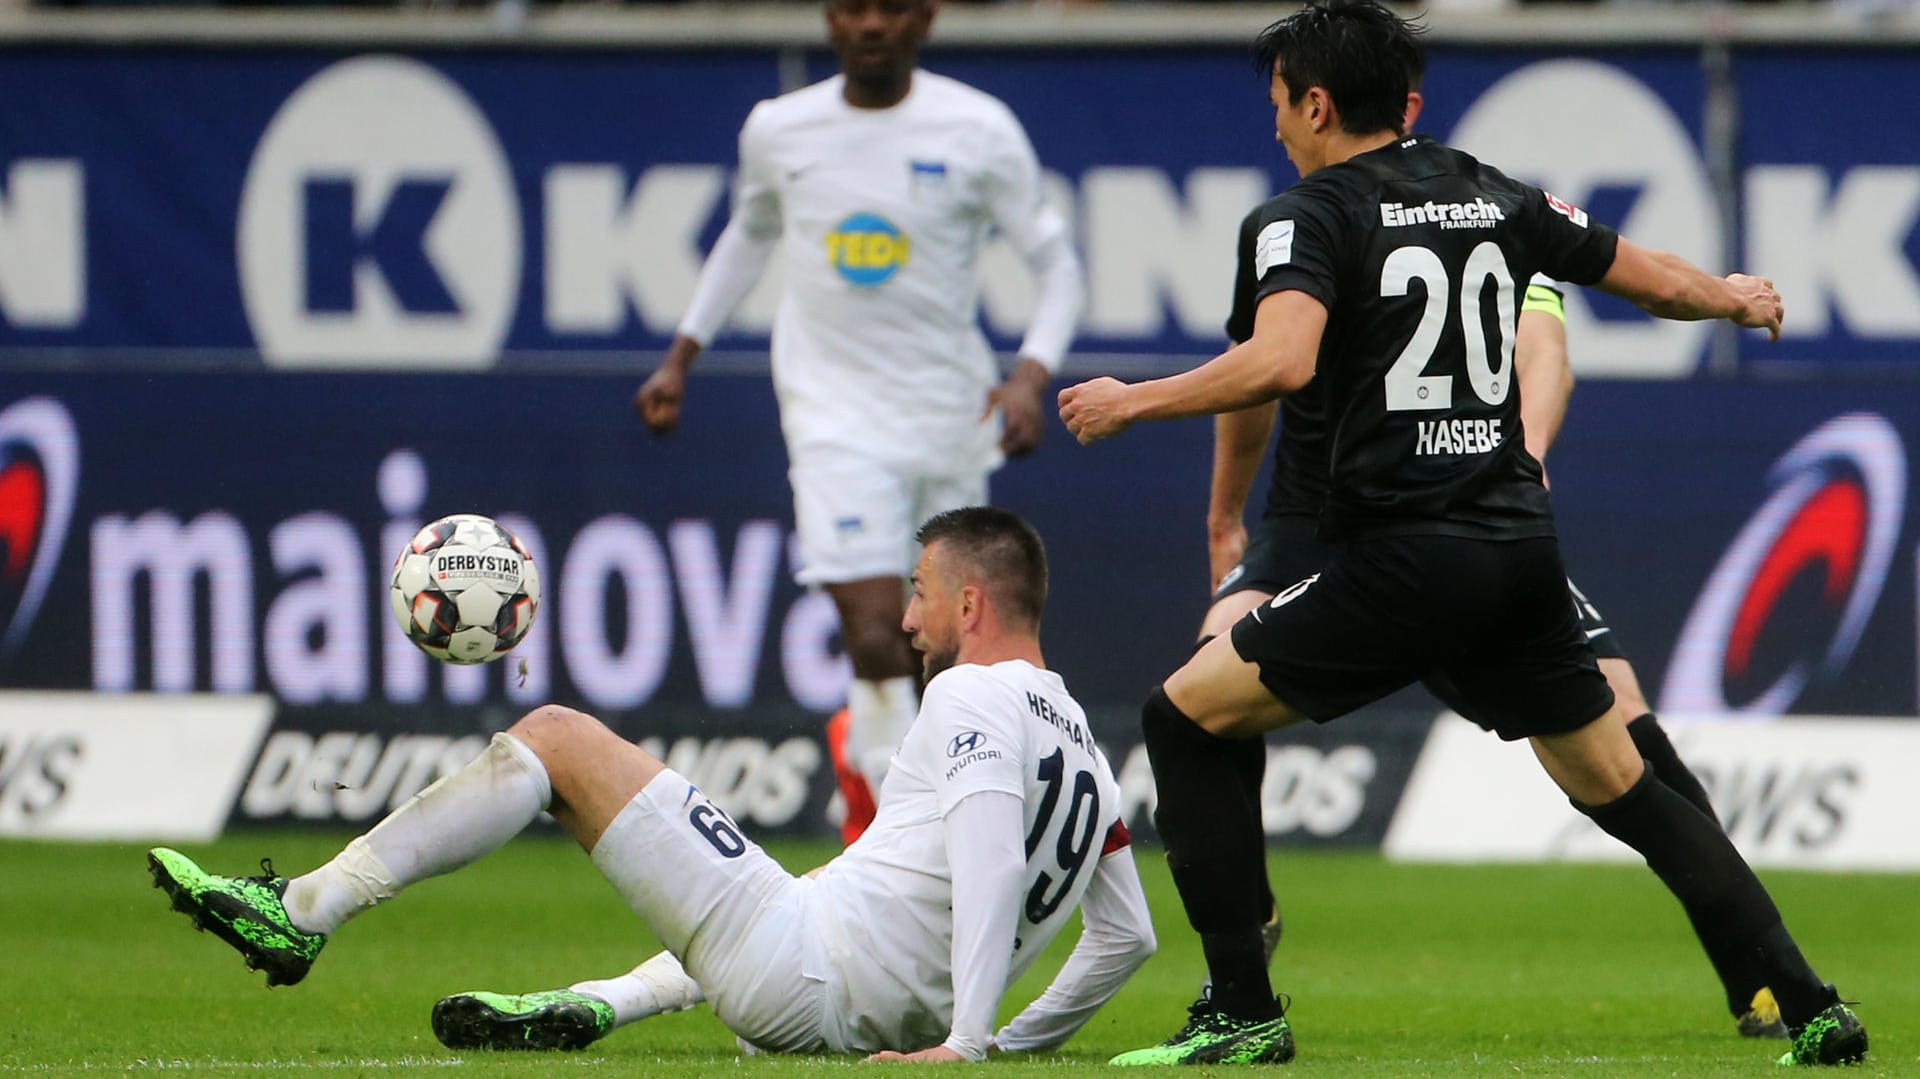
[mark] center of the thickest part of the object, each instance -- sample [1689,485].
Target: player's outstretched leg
[1216,850]
[246,912]
[1250,772]
[565,1018]
[1756,1014]
[1723,898]
[279,925]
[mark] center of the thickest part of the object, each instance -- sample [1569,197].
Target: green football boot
[556,1019]
[1211,1036]
[1835,1036]
[246,912]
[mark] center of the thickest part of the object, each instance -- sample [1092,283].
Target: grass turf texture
[1394,970]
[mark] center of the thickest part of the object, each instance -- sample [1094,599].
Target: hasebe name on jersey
[1457,436]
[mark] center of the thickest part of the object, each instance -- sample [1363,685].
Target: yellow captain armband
[1542,298]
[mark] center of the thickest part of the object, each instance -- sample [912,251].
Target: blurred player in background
[883,182]
[1284,549]
[1002,816]
[1388,274]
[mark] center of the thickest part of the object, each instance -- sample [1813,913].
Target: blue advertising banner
[461,210]
[1753,544]
[1833,207]
[234,533]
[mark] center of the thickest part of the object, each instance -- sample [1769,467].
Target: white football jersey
[885,905]
[882,212]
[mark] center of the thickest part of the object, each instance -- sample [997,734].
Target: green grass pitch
[1394,971]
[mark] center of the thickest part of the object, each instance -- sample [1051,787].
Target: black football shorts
[1605,642]
[1489,619]
[1280,551]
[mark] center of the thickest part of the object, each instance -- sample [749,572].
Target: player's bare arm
[1544,377]
[1018,399]
[1664,284]
[1239,442]
[1276,361]
[658,399]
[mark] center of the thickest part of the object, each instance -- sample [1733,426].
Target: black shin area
[1215,849]
[1651,740]
[1730,910]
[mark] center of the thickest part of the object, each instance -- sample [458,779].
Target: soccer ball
[465,589]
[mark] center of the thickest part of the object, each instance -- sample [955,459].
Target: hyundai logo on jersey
[965,742]
[867,249]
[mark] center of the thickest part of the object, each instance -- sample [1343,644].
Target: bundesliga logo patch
[1273,247]
[1566,209]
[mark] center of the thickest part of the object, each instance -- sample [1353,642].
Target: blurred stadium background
[278,285]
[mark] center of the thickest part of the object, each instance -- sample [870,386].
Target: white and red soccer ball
[465,589]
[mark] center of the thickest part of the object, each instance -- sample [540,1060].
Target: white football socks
[658,985]
[450,824]
[878,715]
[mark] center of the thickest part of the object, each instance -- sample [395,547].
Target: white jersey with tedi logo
[885,907]
[882,212]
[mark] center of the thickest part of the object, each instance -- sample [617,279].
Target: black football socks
[1216,851]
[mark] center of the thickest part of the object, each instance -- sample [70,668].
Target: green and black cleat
[1211,1036]
[1835,1036]
[556,1019]
[246,912]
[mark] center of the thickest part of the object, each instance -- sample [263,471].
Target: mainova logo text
[212,602]
[379,224]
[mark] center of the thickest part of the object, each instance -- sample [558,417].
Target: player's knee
[1625,685]
[551,726]
[1171,734]
[1162,723]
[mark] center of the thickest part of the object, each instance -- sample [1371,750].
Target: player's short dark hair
[1002,548]
[1362,54]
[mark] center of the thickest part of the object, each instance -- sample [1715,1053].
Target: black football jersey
[1420,254]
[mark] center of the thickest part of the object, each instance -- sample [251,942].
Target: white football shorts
[733,916]
[856,516]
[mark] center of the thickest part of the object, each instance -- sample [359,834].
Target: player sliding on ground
[1000,816]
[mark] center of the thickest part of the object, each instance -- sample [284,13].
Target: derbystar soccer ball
[465,589]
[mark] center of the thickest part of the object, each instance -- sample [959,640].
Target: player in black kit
[1247,570]
[1392,275]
